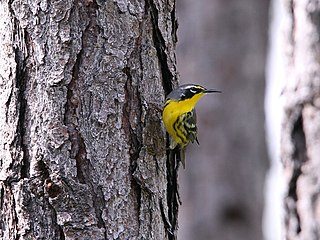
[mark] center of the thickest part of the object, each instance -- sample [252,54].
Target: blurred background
[231,187]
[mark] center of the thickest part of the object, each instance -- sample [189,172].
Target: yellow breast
[173,110]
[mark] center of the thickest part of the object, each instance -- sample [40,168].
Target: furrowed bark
[83,149]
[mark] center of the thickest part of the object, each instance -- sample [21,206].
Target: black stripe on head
[188,91]
[185,91]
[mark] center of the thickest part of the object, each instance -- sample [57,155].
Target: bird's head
[189,91]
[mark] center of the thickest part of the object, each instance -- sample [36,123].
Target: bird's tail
[178,154]
[183,157]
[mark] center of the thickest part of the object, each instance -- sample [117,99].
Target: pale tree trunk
[300,146]
[82,147]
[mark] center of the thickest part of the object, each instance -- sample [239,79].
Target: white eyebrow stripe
[191,86]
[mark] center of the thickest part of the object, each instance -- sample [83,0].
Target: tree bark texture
[82,147]
[222,44]
[300,146]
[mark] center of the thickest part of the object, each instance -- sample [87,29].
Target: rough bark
[222,44]
[300,146]
[82,147]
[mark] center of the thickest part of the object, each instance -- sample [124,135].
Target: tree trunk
[223,45]
[82,147]
[300,146]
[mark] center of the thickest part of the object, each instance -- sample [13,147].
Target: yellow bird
[179,115]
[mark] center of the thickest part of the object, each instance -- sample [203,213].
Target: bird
[179,115]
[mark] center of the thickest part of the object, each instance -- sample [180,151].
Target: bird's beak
[211,91]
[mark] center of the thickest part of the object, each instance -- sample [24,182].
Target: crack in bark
[21,77]
[166,221]
[14,210]
[59,229]
[8,101]
[138,190]
[174,22]
[70,119]
[173,198]
[151,215]
[299,156]
[160,46]
[78,147]
[62,236]
[20,84]
[92,30]
[132,105]
[291,9]
[315,18]
[1,197]
[19,39]
[2,223]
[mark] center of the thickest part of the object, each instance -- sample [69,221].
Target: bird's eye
[193,90]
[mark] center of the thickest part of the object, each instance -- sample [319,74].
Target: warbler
[179,115]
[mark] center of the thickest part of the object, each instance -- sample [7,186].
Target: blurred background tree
[300,142]
[223,45]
